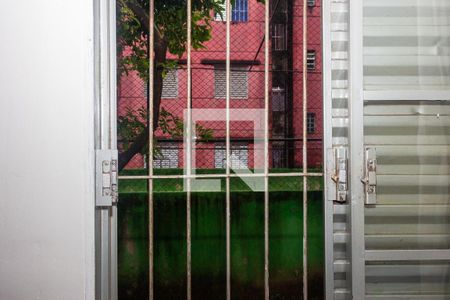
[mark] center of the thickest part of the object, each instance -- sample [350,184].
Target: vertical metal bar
[150,143]
[189,149]
[113,144]
[305,152]
[356,149]
[114,259]
[228,145]
[104,255]
[327,144]
[266,148]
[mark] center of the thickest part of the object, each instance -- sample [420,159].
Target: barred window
[311,122]
[238,83]
[166,156]
[311,60]
[278,155]
[170,85]
[239,12]
[239,156]
[278,103]
[279,41]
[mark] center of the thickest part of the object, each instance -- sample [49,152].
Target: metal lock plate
[370,179]
[341,173]
[106,177]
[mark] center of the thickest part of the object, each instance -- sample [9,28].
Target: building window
[170,85]
[239,11]
[166,156]
[311,60]
[278,101]
[311,3]
[311,122]
[279,41]
[238,83]
[278,155]
[239,156]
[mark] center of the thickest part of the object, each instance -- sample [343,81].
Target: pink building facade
[247,89]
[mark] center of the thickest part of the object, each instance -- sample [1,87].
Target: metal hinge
[340,174]
[106,164]
[370,176]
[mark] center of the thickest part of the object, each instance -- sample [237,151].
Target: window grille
[170,85]
[239,12]
[311,60]
[278,156]
[311,123]
[166,156]
[278,101]
[239,156]
[238,83]
[279,41]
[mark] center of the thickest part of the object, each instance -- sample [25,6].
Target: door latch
[106,177]
[340,176]
[370,176]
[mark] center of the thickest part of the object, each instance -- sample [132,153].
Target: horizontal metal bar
[219,140]
[410,95]
[406,255]
[408,297]
[233,175]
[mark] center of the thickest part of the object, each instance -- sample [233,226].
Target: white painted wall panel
[46,150]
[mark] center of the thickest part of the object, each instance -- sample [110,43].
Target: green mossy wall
[208,245]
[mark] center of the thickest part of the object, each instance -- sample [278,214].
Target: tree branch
[160,52]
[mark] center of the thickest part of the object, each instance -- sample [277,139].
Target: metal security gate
[399,149]
[251,127]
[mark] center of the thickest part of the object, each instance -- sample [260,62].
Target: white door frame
[105,142]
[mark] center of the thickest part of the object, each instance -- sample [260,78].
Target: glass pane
[208,150]
[406,45]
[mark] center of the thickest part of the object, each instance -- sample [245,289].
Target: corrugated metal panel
[406,45]
[413,206]
[339,110]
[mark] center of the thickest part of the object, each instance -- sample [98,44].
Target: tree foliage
[170,38]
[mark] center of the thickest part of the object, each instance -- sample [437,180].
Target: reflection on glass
[208,153]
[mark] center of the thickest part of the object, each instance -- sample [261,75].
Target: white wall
[46,150]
